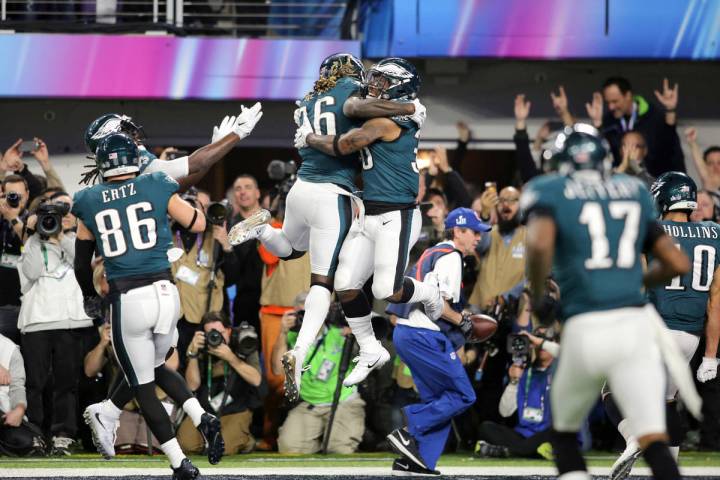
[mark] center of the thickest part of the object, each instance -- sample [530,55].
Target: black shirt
[10,246]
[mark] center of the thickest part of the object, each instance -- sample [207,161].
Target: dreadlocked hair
[325,83]
[90,175]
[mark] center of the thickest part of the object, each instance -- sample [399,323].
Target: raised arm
[696,153]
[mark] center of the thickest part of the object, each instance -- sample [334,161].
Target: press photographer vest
[193,267]
[501,268]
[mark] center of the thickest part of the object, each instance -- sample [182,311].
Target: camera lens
[217,212]
[49,223]
[214,338]
[13,199]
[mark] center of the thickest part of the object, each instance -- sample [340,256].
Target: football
[484,327]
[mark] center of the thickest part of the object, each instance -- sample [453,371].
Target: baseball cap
[465,218]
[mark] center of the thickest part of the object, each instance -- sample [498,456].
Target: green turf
[264,460]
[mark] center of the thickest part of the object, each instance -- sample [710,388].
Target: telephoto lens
[214,338]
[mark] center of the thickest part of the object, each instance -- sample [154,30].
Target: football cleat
[210,429]
[186,471]
[292,363]
[248,228]
[404,444]
[103,429]
[404,468]
[367,361]
[624,464]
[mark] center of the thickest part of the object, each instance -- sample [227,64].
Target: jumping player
[592,228]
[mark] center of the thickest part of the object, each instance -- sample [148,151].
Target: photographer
[528,394]
[12,221]
[223,370]
[52,319]
[201,266]
[305,426]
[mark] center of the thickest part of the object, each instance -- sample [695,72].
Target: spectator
[17,437]
[528,394]
[41,154]
[707,162]
[282,281]
[634,151]
[306,424]
[247,277]
[627,112]
[502,252]
[194,269]
[12,222]
[233,389]
[54,326]
[12,162]
[442,176]
[705,210]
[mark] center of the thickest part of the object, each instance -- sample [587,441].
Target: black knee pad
[567,452]
[295,254]
[356,307]
[408,289]
[674,424]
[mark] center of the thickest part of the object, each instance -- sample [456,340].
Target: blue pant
[444,387]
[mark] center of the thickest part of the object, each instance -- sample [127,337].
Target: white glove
[297,114]
[246,121]
[707,370]
[225,128]
[420,114]
[302,132]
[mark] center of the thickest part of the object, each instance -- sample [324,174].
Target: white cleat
[103,429]
[248,229]
[367,361]
[624,464]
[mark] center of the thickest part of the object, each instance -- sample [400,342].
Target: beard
[508,226]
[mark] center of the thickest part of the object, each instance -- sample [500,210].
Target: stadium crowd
[242,308]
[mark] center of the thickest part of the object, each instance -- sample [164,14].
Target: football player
[392,221]
[126,219]
[190,168]
[318,212]
[592,228]
[683,303]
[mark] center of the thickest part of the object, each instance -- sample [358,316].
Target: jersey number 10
[703,259]
[112,237]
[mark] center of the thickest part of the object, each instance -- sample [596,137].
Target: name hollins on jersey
[691,231]
[614,190]
[122,191]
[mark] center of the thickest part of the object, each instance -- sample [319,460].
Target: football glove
[297,114]
[466,326]
[93,306]
[420,114]
[707,370]
[225,128]
[246,121]
[302,132]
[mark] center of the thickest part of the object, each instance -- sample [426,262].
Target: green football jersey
[325,112]
[390,174]
[130,223]
[601,227]
[319,381]
[682,302]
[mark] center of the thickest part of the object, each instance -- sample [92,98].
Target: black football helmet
[333,63]
[581,147]
[674,191]
[393,79]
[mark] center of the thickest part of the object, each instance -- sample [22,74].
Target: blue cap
[465,218]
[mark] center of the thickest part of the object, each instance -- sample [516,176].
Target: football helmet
[674,191]
[581,147]
[393,79]
[338,60]
[116,155]
[109,123]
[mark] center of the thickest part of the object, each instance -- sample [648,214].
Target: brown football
[484,327]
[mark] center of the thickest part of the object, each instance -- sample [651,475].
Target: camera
[244,340]
[213,339]
[279,170]
[13,199]
[218,212]
[299,316]
[518,346]
[49,218]
[285,174]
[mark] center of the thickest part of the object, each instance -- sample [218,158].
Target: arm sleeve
[32,260]
[17,380]
[84,250]
[508,401]
[553,348]
[455,190]
[34,185]
[523,158]
[175,169]
[449,271]
[457,157]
